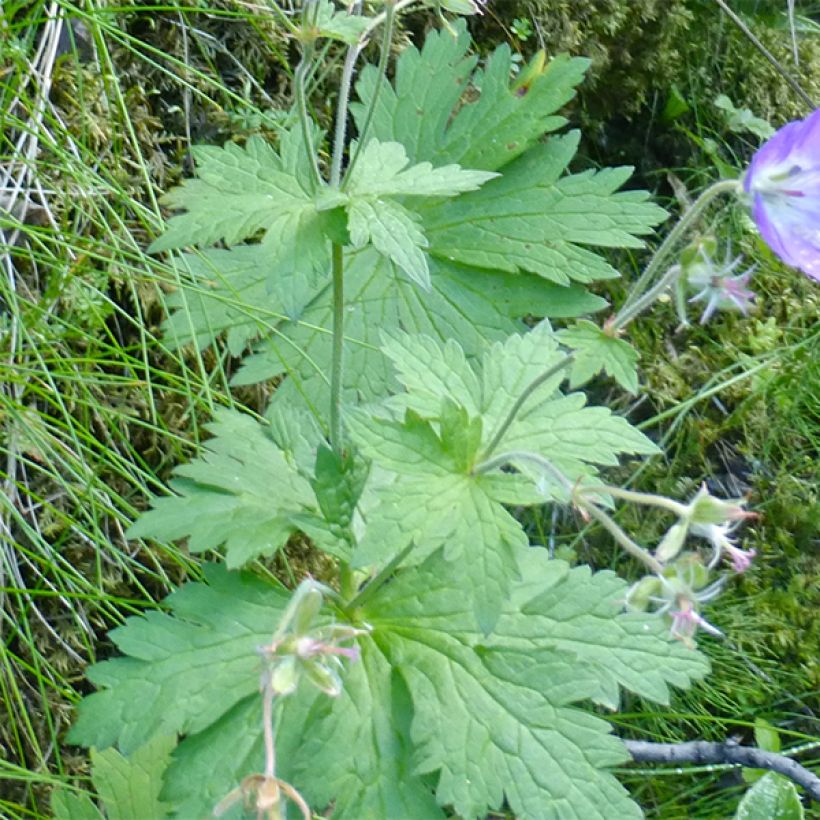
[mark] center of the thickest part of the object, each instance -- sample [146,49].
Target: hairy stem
[626,314]
[301,106]
[703,752]
[267,728]
[342,104]
[524,455]
[521,400]
[635,550]
[381,72]
[648,499]
[687,219]
[337,361]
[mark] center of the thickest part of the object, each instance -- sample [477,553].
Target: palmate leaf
[183,672]
[433,706]
[509,696]
[433,497]
[530,219]
[434,500]
[596,350]
[463,248]
[243,492]
[561,428]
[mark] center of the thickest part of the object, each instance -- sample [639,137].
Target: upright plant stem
[387,39]
[675,235]
[336,367]
[342,104]
[299,84]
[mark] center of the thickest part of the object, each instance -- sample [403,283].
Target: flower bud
[706,509]
[639,596]
[285,675]
[672,542]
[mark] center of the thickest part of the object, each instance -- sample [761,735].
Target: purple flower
[784,181]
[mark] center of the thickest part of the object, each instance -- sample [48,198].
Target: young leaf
[382,170]
[596,350]
[183,670]
[242,492]
[338,484]
[394,231]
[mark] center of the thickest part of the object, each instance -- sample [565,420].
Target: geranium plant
[401,286]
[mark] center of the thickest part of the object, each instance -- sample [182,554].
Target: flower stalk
[687,219]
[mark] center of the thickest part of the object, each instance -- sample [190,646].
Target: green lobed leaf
[596,350]
[355,751]
[201,774]
[560,428]
[242,492]
[129,787]
[581,612]
[228,291]
[417,108]
[487,132]
[182,670]
[493,717]
[240,191]
[381,170]
[433,705]
[394,232]
[433,500]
